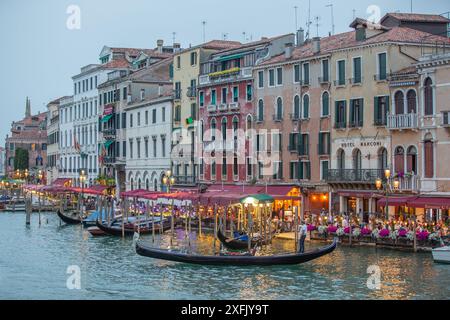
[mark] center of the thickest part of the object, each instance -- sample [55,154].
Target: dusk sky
[40,54]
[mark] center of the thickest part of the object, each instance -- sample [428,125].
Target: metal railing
[191,92]
[355,175]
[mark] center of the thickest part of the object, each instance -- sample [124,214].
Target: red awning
[108,109]
[430,202]
[359,194]
[394,201]
[279,192]
[61,181]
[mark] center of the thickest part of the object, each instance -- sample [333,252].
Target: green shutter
[336,112]
[300,170]
[382,66]
[352,110]
[388,105]
[308,170]
[328,143]
[291,170]
[362,111]
[320,148]
[376,112]
[345,114]
[357,66]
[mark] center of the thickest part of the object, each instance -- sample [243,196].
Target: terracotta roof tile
[416,17]
[119,63]
[221,44]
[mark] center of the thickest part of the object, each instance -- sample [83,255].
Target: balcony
[354,175]
[234,106]
[402,121]
[212,108]
[340,83]
[381,77]
[324,80]
[191,92]
[355,124]
[407,183]
[223,107]
[219,145]
[185,180]
[108,160]
[177,94]
[109,134]
[233,74]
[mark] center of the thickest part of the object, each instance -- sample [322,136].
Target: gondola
[234,244]
[69,220]
[233,260]
[129,230]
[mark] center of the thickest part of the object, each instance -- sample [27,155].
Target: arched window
[279,110]
[399,158]
[399,99]
[132,184]
[235,127]
[412,160]
[428,96]
[202,129]
[249,126]
[155,185]
[429,157]
[412,101]
[147,184]
[139,184]
[260,110]
[224,129]
[213,129]
[325,104]
[341,159]
[357,159]
[297,107]
[306,106]
[382,159]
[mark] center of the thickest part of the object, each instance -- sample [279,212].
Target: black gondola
[233,260]
[69,220]
[234,244]
[130,230]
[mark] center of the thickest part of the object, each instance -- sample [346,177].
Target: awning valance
[108,143]
[230,57]
[107,118]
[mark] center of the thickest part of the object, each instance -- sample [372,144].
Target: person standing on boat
[302,231]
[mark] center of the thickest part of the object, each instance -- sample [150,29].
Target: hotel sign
[362,144]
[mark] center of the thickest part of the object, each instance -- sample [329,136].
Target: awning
[108,143]
[394,201]
[61,181]
[430,202]
[108,109]
[359,194]
[281,191]
[258,198]
[107,118]
[231,57]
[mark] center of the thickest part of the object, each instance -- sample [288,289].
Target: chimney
[316,45]
[27,108]
[300,37]
[176,47]
[288,47]
[159,44]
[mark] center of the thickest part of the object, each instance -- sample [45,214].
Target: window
[341,73]
[381,109]
[224,168]
[271,78]
[382,159]
[305,170]
[324,166]
[224,129]
[248,164]
[276,142]
[293,170]
[357,158]
[325,70]
[324,147]
[138,142]
[125,94]
[261,142]
[260,170]
[399,102]
[261,110]
[154,116]
[429,157]
[325,104]
[224,95]
[411,101]
[213,170]
[131,120]
[154,147]
[138,119]
[193,58]
[193,111]
[178,62]
[277,170]
[303,146]
[249,92]
[235,94]
[213,97]
[279,110]
[279,76]
[382,66]
[399,160]
[146,117]
[305,106]
[341,114]
[261,79]
[428,97]
[293,142]
[411,160]
[131,149]
[357,77]
[124,120]
[306,74]
[213,129]
[235,166]
[356,113]
[297,73]
[201,98]
[296,114]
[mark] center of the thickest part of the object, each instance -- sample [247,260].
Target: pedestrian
[302,230]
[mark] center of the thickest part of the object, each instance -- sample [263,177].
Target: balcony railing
[407,183]
[234,106]
[223,107]
[354,175]
[212,108]
[177,94]
[356,124]
[109,133]
[402,121]
[225,76]
[185,180]
[109,160]
[191,92]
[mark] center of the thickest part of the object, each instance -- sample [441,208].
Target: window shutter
[291,141]
[328,143]
[308,170]
[320,149]
[300,170]
[352,111]
[345,113]
[336,112]
[376,111]
[291,170]
[300,143]
[361,111]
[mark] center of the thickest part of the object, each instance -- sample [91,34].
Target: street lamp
[168,180]
[82,181]
[386,187]
[40,176]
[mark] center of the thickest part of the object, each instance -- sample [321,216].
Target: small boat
[130,228]
[15,205]
[96,232]
[91,219]
[233,260]
[240,243]
[74,217]
[441,255]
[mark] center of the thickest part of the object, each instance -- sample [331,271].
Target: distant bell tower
[27,108]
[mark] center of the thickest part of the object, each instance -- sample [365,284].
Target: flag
[103,154]
[76,144]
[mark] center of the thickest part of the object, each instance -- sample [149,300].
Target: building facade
[2,161]
[186,71]
[53,135]
[30,135]
[227,114]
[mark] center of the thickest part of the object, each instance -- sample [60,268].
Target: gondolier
[302,230]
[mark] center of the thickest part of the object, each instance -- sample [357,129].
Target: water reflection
[35,260]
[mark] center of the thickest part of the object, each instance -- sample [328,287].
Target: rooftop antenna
[174,36]
[225,36]
[317,18]
[245,35]
[411,6]
[296,18]
[354,14]
[204,30]
[308,24]
[332,17]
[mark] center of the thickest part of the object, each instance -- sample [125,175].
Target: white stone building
[53,142]
[149,129]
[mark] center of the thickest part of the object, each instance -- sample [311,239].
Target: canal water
[34,264]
